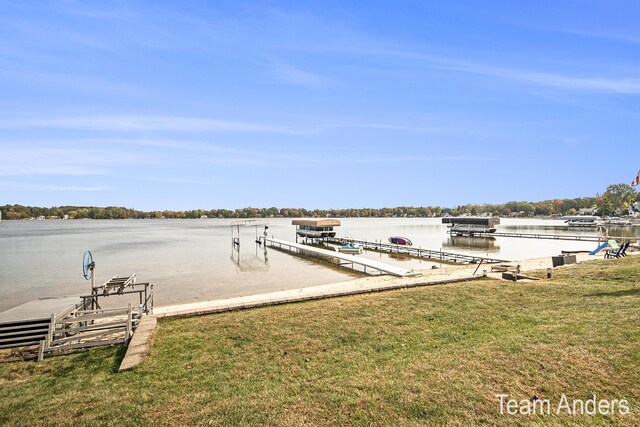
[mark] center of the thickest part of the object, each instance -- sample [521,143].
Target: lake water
[193,260]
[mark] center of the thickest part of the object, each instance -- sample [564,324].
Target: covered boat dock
[314,228]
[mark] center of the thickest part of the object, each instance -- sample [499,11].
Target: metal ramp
[28,324]
[90,328]
[67,323]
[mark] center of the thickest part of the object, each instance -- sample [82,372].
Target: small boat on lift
[350,249]
[617,222]
[402,241]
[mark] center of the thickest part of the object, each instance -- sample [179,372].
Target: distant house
[587,211]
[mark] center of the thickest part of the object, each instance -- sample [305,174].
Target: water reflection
[401,257]
[486,244]
[250,261]
[623,231]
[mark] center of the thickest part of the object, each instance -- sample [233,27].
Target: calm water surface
[192,260]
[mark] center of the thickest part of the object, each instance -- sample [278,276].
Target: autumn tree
[618,197]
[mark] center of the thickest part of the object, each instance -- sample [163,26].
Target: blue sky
[183,105]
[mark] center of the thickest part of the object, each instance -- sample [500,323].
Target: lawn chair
[613,248]
[624,249]
[617,253]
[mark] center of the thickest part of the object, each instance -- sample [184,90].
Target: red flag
[636,181]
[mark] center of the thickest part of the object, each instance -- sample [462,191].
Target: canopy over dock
[490,221]
[315,228]
[468,225]
[313,222]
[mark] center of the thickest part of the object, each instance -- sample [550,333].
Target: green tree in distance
[617,196]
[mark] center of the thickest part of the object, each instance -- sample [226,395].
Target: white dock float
[366,263]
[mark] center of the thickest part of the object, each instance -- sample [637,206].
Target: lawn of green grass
[422,356]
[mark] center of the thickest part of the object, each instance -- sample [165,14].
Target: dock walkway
[344,259]
[574,237]
[416,252]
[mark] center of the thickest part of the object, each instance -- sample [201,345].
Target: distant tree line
[617,197]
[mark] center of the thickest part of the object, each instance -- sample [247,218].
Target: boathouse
[468,226]
[316,229]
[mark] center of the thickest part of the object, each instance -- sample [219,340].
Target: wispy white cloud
[295,75]
[62,161]
[558,80]
[70,82]
[72,188]
[396,127]
[606,35]
[177,144]
[144,123]
[167,180]
[573,81]
[599,84]
[76,188]
[405,159]
[85,10]
[246,161]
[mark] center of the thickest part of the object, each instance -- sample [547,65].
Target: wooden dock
[417,252]
[573,237]
[368,266]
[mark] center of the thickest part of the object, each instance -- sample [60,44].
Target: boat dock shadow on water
[474,243]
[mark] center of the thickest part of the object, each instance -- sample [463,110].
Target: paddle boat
[402,241]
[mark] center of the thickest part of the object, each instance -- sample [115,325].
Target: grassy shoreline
[435,355]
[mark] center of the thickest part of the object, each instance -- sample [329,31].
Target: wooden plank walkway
[416,252]
[574,237]
[370,266]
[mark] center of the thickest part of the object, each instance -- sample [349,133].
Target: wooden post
[146,298]
[128,333]
[41,351]
[52,327]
